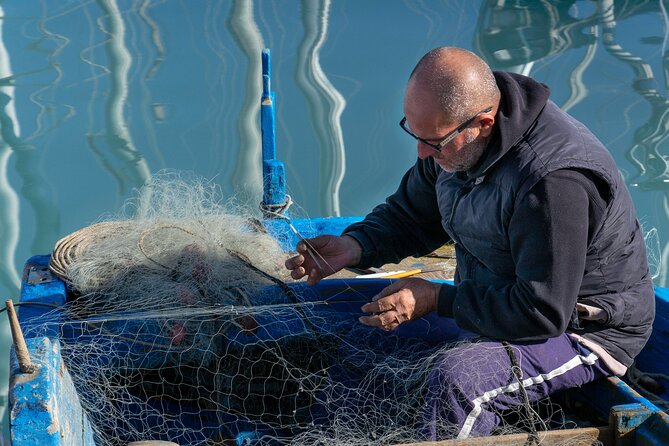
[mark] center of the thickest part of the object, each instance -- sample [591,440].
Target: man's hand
[324,255]
[404,300]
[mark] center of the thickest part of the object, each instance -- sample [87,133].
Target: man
[551,263]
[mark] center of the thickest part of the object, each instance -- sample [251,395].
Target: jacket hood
[522,100]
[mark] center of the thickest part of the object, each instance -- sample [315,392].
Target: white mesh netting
[177,330]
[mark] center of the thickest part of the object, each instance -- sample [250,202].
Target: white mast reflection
[133,170]
[247,176]
[9,201]
[325,103]
[152,112]
[9,211]
[578,89]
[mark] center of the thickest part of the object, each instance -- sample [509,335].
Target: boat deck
[438,265]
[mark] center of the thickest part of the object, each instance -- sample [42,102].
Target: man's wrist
[435,296]
[354,249]
[446,299]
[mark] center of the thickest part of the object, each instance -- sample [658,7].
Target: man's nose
[424,151]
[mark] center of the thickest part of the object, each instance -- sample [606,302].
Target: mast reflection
[118,153]
[247,176]
[9,211]
[325,103]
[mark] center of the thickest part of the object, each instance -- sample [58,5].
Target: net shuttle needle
[396,274]
[312,252]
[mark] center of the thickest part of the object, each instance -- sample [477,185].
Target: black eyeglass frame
[449,137]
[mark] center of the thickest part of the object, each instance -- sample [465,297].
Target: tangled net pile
[178,330]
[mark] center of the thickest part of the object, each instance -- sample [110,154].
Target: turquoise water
[97,96]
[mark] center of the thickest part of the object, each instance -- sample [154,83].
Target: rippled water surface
[97,96]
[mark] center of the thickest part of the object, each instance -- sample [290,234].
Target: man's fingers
[388,320]
[402,301]
[378,306]
[294,262]
[314,277]
[400,317]
[387,291]
[389,308]
[372,321]
[297,273]
[371,307]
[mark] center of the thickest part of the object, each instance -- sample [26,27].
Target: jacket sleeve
[408,223]
[549,234]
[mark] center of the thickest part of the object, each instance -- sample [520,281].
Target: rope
[37,304]
[532,437]
[142,249]
[636,378]
[275,210]
[68,248]
[284,287]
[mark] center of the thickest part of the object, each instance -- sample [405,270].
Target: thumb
[314,243]
[314,277]
[319,241]
[390,289]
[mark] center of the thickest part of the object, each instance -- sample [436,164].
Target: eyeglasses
[448,137]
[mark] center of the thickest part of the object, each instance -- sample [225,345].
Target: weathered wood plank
[566,437]
[45,409]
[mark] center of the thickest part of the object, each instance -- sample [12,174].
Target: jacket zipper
[466,257]
[465,188]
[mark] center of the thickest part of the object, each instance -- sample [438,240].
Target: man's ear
[486,125]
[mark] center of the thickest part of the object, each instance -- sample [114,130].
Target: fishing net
[180,327]
[653,251]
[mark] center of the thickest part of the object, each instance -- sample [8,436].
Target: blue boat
[46,403]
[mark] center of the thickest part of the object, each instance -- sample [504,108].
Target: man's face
[459,155]
[427,121]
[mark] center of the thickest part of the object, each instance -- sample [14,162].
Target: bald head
[461,82]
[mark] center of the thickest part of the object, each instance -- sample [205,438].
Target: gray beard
[470,154]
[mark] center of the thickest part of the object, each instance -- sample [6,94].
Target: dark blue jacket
[524,256]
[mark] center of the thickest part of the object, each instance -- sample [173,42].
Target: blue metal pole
[274,172]
[267,112]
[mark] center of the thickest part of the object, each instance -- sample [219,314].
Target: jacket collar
[522,100]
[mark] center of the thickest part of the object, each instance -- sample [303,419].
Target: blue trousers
[471,384]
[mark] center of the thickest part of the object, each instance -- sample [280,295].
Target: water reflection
[152,112]
[247,177]
[115,147]
[653,168]
[514,34]
[578,88]
[9,207]
[9,203]
[326,104]
[156,38]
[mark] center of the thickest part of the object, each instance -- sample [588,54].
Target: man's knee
[470,368]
